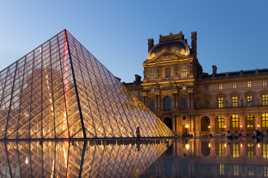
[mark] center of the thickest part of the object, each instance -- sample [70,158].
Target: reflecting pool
[193,158]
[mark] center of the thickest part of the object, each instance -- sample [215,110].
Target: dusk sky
[232,34]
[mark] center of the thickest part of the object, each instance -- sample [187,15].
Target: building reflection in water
[182,159]
[77,159]
[211,159]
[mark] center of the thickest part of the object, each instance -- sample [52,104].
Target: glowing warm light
[187,126]
[26,160]
[225,145]
[187,146]
[209,145]
[241,145]
[258,145]
[209,126]
[241,126]
[224,126]
[258,125]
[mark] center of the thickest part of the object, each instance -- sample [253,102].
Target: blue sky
[231,33]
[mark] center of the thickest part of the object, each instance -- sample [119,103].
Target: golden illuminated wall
[60,90]
[75,159]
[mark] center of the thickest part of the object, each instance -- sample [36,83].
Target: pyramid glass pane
[60,90]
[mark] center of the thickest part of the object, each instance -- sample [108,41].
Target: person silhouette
[138,134]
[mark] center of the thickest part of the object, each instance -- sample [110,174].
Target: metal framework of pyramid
[60,90]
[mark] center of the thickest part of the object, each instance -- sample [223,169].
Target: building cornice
[165,62]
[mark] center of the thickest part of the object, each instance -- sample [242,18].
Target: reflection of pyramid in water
[60,90]
[77,159]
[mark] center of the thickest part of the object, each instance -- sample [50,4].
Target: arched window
[167,103]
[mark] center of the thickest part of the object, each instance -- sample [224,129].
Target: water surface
[194,158]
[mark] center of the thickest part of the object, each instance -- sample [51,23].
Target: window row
[168,103]
[236,122]
[182,71]
[237,102]
[248,84]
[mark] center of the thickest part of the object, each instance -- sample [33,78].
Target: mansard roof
[235,74]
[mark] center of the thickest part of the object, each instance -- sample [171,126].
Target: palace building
[191,101]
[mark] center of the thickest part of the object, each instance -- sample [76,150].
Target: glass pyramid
[60,90]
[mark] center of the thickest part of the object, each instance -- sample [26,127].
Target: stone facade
[191,101]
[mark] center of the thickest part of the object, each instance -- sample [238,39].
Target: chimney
[214,70]
[150,44]
[194,43]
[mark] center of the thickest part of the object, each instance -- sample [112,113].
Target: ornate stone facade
[191,101]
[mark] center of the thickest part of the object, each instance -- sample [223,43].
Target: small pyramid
[60,90]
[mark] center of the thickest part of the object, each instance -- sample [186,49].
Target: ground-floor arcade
[218,123]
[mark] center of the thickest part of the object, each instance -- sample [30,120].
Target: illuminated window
[264,120]
[234,85]
[250,122]
[184,72]
[249,84]
[249,99]
[235,150]
[220,86]
[236,170]
[250,150]
[265,171]
[265,150]
[220,102]
[264,99]
[221,169]
[235,121]
[167,73]
[220,123]
[234,101]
